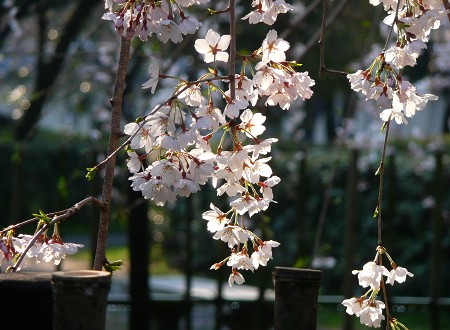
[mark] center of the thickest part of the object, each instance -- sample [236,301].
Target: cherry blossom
[274,48]
[252,124]
[353,305]
[393,114]
[260,147]
[213,46]
[141,136]
[370,275]
[143,19]
[43,250]
[267,11]
[398,274]
[216,218]
[189,24]
[154,77]
[263,253]
[240,260]
[371,313]
[235,277]
[233,235]
[234,107]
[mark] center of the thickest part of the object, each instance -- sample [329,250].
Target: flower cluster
[205,131]
[383,81]
[142,18]
[267,11]
[43,249]
[228,230]
[170,151]
[373,276]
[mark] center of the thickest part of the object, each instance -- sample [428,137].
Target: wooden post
[296,295]
[26,301]
[80,299]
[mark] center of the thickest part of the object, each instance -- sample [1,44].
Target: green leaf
[376,212]
[41,216]
[111,266]
[294,63]
[212,11]
[383,127]
[91,171]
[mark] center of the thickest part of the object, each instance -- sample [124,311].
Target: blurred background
[57,67]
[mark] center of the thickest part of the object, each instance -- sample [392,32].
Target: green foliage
[91,172]
[112,266]
[42,217]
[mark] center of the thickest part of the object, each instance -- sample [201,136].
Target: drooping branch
[26,222]
[115,133]
[380,172]
[232,69]
[56,219]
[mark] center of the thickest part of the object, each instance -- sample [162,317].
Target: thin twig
[26,222]
[321,34]
[392,26]
[447,6]
[321,41]
[57,218]
[232,70]
[380,188]
[385,295]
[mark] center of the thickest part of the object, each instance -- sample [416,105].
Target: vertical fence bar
[188,262]
[436,243]
[139,251]
[296,295]
[301,208]
[350,220]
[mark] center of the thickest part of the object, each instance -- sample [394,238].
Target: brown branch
[232,49]
[324,25]
[385,295]
[321,41]
[447,6]
[57,218]
[380,188]
[115,132]
[26,222]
